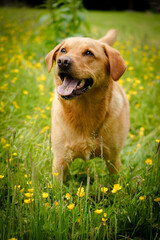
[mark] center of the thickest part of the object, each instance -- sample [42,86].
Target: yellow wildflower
[6,145]
[14,154]
[98,211]
[56,204]
[3,140]
[39,109]
[130,68]
[31,190]
[43,116]
[146,47]
[44,195]
[30,182]
[1,176]
[15,105]
[137,105]
[116,188]
[47,205]
[52,96]
[28,195]
[157,199]
[55,174]
[41,78]
[45,129]
[28,117]
[4,87]
[12,239]
[25,92]
[142,198]
[67,196]
[104,189]
[28,201]
[71,206]
[79,221]
[41,87]
[50,185]
[141,131]
[15,70]
[148,161]
[14,80]
[80,192]
[157,140]
[104,219]
[38,65]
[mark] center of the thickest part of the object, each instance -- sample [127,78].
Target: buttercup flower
[98,211]
[148,161]
[28,117]
[80,192]
[142,198]
[104,189]
[3,140]
[28,201]
[47,205]
[55,174]
[45,129]
[71,206]
[104,220]
[105,215]
[67,196]
[25,92]
[31,190]
[44,195]
[7,145]
[116,188]
[28,195]
[41,78]
[15,104]
[157,199]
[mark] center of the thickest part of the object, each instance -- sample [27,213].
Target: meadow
[90,204]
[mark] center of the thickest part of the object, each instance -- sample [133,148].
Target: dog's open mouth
[72,87]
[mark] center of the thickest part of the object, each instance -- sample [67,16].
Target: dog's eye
[88,53]
[63,50]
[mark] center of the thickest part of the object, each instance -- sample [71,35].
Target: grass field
[91,204]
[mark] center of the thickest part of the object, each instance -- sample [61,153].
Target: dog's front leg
[113,165]
[60,167]
[112,159]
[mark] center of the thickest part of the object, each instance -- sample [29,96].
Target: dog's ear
[116,62]
[110,37]
[51,56]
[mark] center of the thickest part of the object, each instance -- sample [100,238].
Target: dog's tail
[110,37]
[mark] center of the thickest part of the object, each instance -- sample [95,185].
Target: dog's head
[84,63]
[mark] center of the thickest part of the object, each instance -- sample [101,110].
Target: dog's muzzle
[71,87]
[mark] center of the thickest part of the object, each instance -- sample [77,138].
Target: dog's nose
[64,62]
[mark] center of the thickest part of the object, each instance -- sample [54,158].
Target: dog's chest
[83,148]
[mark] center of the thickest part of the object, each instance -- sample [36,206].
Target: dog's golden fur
[97,119]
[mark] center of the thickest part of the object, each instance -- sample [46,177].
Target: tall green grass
[31,206]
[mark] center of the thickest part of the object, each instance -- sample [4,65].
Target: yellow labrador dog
[90,112]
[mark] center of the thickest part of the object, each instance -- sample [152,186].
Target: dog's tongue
[67,87]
